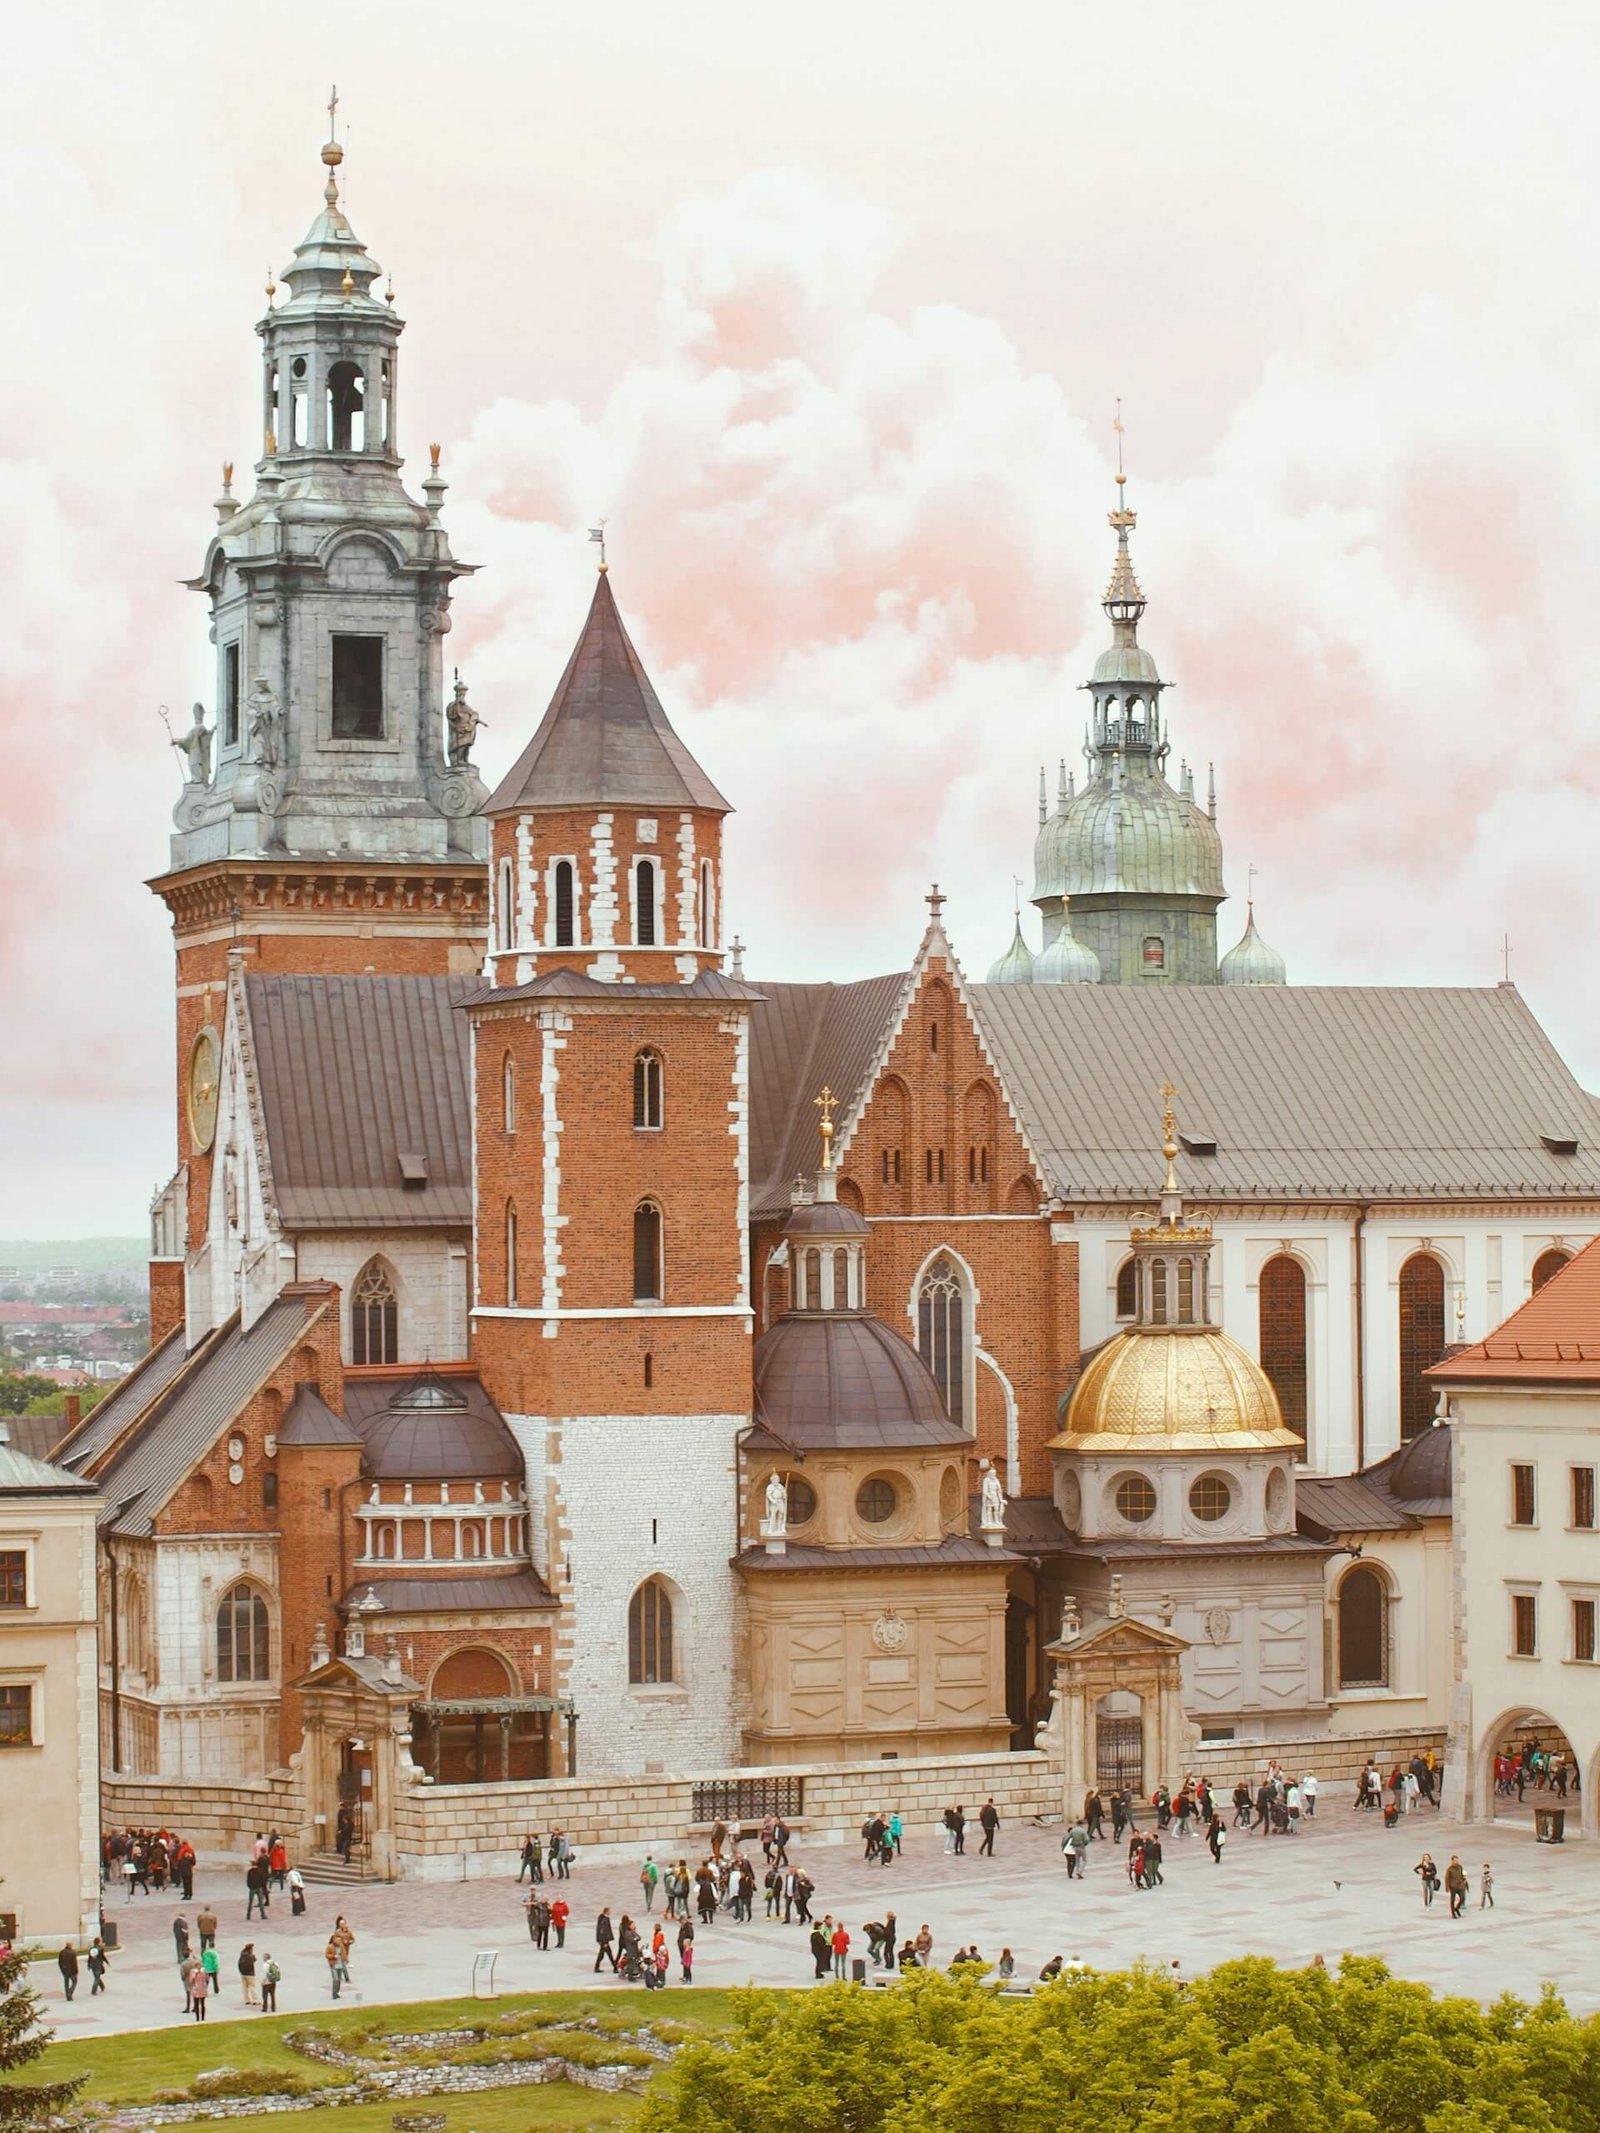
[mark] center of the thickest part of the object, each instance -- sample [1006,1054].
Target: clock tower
[329,817]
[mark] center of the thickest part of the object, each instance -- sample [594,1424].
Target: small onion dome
[1066,961]
[842,1380]
[1174,1389]
[434,1430]
[1015,967]
[1251,961]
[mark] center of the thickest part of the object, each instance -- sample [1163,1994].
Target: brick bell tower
[612,1320]
[329,816]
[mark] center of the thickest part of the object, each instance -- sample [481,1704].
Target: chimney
[73,1407]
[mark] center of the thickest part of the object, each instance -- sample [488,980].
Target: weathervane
[1122,517]
[598,533]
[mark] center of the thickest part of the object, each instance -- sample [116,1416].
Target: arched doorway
[1526,1762]
[1119,1743]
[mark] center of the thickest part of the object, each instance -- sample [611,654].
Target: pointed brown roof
[605,740]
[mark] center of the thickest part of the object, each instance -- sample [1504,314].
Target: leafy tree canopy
[1248,2048]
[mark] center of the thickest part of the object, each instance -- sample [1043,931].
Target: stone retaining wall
[447,1832]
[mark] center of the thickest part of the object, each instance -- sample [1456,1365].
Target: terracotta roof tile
[1553,1337]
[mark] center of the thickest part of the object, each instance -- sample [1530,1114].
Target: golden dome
[1171,1389]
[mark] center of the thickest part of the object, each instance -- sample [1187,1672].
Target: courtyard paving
[1343,1884]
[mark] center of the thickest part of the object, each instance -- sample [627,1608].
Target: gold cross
[827,1103]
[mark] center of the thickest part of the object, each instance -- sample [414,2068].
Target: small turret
[1251,961]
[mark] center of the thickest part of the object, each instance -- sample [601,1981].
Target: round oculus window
[876,1501]
[802,1501]
[1211,1498]
[1135,1499]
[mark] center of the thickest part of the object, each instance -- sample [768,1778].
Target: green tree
[18,1390]
[23,2041]
[1248,2048]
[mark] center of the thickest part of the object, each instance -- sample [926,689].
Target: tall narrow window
[508,1092]
[650,1656]
[708,923]
[1524,1505]
[644,904]
[230,694]
[942,1333]
[1583,1498]
[565,936]
[647,1091]
[1185,1292]
[374,1316]
[1282,1305]
[511,1254]
[1363,1613]
[1158,1292]
[1421,1338]
[388,402]
[358,688]
[647,1252]
[299,403]
[1583,1612]
[1524,1625]
[1547,1264]
[243,1652]
[1128,1289]
[505,891]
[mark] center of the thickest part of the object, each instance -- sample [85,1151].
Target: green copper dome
[1128,831]
[1251,961]
[1066,961]
[1015,967]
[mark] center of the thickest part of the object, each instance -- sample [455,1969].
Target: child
[1486,1900]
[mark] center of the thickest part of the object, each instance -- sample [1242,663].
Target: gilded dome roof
[841,1379]
[1129,832]
[1167,1389]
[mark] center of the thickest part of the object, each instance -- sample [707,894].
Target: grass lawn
[128,2069]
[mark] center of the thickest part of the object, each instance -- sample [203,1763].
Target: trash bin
[858,1970]
[109,1932]
[1550,1825]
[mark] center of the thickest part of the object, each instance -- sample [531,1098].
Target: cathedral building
[571,1354]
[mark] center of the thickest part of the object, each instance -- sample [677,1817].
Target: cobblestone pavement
[1343,1884]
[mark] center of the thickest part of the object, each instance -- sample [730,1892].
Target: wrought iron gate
[1119,1755]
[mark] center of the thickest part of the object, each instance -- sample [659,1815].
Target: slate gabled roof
[1325,1092]
[605,739]
[800,1037]
[357,1073]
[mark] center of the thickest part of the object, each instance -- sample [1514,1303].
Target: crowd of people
[1521,1764]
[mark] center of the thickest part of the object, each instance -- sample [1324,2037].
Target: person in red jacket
[841,1950]
[560,1912]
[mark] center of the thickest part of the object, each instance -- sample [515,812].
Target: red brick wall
[166,1298]
[939,1096]
[697,1366]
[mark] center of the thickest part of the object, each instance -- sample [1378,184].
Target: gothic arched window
[647,1090]
[708,919]
[650,1633]
[502,904]
[565,903]
[243,1639]
[1547,1264]
[347,420]
[1128,1289]
[647,1252]
[374,1316]
[1281,1303]
[1363,1605]
[1421,1339]
[644,904]
[942,1333]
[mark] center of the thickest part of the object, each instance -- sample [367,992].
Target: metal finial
[598,533]
[1250,889]
[433,456]
[388,294]
[1016,897]
[1169,1131]
[272,285]
[332,153]
[1044,799]
[935,902]
[736,957]
[827,1103]
[1116,424]
[347,285]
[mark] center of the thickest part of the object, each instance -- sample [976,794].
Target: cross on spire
[827,1103]
[935,903]
[333,129]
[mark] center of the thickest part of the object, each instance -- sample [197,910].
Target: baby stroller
[1391,1814]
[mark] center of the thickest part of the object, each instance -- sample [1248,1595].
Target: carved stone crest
[1218,1625]
[890,1634]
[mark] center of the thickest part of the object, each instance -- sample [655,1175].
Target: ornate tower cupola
[1138,863]
[328,820]
[330,595]
[607,834]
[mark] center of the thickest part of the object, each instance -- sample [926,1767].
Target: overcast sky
[826,309]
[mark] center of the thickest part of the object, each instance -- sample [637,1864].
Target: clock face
[205,1074]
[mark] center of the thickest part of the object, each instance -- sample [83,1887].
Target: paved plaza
[1344,1884]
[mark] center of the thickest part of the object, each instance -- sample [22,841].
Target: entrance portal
[1119,1744]
[1533,1767]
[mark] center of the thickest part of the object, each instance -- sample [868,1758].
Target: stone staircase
[325,1869]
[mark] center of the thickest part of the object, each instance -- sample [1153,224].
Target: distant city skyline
[828,321]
